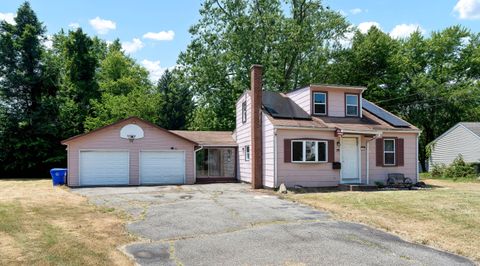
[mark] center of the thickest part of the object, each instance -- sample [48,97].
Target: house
[316,136]
[462,139]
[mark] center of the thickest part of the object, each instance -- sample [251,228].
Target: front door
[350,161]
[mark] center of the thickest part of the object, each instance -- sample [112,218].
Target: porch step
[216,180]
[357,187]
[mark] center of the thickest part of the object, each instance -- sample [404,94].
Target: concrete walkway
[229,224]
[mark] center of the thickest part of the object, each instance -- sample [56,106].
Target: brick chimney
[256,127]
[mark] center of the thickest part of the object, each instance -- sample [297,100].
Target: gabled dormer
[329,100]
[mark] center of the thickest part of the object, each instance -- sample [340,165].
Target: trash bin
[58,176]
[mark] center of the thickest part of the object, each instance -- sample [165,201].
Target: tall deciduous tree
[28,133]
[233,35]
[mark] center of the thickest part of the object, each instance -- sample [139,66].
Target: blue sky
[155,32]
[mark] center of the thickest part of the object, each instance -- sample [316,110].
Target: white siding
[302,98]
[459,140]
[243,132]
[268,154]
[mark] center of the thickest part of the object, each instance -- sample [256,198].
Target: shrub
[379,184]
[459,169]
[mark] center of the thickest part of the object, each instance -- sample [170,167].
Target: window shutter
[400,154]
[379,151]
[287,150]
[331,151]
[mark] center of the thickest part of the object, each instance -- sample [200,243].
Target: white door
[350,161]
[99,168]
[162,167]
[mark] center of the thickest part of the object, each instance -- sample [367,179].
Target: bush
[379,184]
[459,169]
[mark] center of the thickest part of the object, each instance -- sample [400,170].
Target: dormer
[329,100]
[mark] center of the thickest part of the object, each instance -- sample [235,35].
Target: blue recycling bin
[58,176]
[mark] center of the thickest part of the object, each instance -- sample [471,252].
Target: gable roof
[132,118]
[208,138]
[473,127]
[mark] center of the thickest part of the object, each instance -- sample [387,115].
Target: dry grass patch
[45,225]
[446,217]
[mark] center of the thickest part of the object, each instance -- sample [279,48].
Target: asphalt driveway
[229,224]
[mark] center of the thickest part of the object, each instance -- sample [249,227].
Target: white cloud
[356,11]
[8,17]
[468,9]
[154,68]
[48,42]
[133,46]
[160,36]
[102,26]
[365,26]
[404,30]
[74,25]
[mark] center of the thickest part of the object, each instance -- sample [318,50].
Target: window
[389,152]
[319,103]
[247,153]
[244,112]
[351,102]
[309,151]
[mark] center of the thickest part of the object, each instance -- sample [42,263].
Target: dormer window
[351,104]
[320,103]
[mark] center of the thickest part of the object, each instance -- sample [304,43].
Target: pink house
[316,136]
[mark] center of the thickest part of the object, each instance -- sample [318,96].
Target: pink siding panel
[243,132]
[305,174]
[302,98]
[378,173]
[268,152]
[109,139]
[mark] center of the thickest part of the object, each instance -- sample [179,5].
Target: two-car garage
[130,152]
[104,168]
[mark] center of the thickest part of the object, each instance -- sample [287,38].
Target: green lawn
[446,216]
[43,225]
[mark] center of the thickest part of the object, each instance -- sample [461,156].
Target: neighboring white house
[463,138]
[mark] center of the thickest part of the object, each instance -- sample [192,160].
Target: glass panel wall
[215,162]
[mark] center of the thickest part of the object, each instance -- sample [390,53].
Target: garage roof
[132,118]
[208,138]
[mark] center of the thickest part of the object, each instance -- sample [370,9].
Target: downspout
[416,159]
[195,163]
[275,178]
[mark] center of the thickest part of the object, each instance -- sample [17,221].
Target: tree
[233,35]
[28,130]
[125,91]
[79,56]
[176,103]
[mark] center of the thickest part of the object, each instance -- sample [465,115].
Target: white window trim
[347,104]
[304,154]
[244,112]
[313,101]
[394,152]
[247,153]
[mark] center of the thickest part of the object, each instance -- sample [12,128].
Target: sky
[155,32]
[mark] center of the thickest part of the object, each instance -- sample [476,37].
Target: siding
[458,141]
[336,99]
[305,174]
[243,133]
[302,98]
[268,152]
[379,173]
[109,139]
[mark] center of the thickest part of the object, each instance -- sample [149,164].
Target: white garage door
[162,167]
[104,168]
